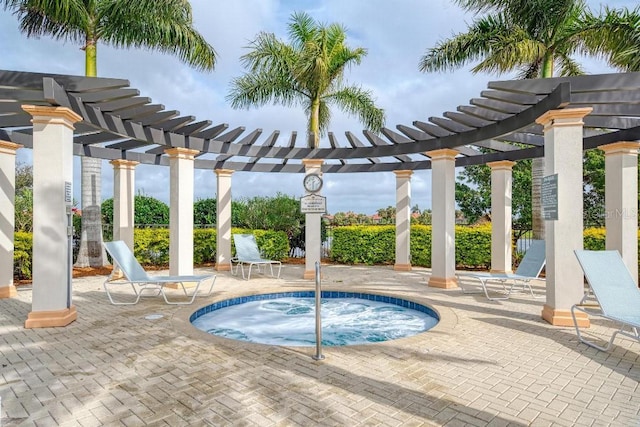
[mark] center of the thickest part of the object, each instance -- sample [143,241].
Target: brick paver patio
[486,363]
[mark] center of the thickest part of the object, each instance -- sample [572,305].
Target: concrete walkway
[486,363]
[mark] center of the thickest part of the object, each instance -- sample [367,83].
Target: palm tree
[537,38]
[306,72]
[162,25]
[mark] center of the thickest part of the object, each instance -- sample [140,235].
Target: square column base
[51,319]
[443,282]
[311,275]
[501,271]
[8,291]
[563,317]
[223,267]
[402,267]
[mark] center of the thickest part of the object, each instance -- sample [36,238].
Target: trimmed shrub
[473,246]
[22,255]
[355,244]
[375,244]
[420,245]
[273,244]
[151,246]
[594,239]
[204,245]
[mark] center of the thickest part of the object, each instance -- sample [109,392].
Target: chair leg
[137,293]
[585,341]
[193,296]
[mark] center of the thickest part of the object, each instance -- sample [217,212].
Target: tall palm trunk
[537,170]
[314,124]
[92,253]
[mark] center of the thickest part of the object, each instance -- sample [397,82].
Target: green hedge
[351,245]
[273,244]
[22,254]
[151,247]
[375,244]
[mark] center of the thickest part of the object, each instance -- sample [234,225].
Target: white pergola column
[563,131]
[52,200]
[181,210]
[312,236]
[403,220]
[501,223]
[223,220]
[123,200]
[443,218]
[621,201]
[7,216]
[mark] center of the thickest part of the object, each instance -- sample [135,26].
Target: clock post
[313,240]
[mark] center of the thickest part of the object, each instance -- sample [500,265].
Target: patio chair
[613,294]
[529,269]
[141,282]
[247,252]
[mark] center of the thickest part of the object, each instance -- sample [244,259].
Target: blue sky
[396,34]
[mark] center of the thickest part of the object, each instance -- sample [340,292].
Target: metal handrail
[318,355]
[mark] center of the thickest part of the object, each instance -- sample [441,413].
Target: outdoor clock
[312,183]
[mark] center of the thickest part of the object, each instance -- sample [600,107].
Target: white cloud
[396,34]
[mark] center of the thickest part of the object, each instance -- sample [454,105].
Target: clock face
[312,183]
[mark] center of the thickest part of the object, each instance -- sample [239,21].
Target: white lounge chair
[614,292]
[141,282]
[247,252]
[529,269]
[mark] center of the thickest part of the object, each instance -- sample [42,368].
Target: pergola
[59,116]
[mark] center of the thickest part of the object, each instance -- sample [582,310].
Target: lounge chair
[247,252]
[529,269]
[141,282]
[614,294]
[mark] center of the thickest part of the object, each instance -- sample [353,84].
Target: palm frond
[165,26]
[482,39]
[614,35]
[270,55]
[358,102]
[511,53]
[65,19]
[257,89]
[568,66]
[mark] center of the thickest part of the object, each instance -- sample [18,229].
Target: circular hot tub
[288,318]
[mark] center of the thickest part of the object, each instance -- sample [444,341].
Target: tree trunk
[537,169]
[92,253]
[314,124]
[537,223]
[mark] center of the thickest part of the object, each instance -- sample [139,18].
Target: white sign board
[313,204]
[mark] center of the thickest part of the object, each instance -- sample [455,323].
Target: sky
[395,33]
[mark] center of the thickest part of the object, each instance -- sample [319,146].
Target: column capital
[223,172]
[124,164]
[7,147]
[443,154]
[403,173]
[621,147]
[54,115]
[564,117]
[181,153]
[312,163]
[501,165]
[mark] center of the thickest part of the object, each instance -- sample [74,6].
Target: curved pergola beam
[118,123]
